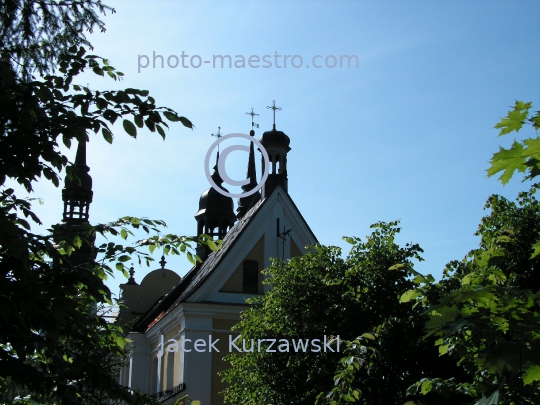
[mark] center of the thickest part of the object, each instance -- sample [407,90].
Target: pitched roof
[197,275]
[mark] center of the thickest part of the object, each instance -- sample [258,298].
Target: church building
[181,326]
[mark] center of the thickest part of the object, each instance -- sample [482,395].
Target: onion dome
[216,212]
[275,137]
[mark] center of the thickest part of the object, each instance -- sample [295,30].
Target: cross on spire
[218,135]
[274,108]
[253,124]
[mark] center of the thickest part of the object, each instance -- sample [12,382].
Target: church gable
[267,235]
[248,277]
[207,302]
[295,250]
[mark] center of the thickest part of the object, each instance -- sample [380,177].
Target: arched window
[251,277]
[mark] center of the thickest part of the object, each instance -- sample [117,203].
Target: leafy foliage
[356,298]
[35,114]
[485,312]
[54,347]
[523,156]
[34,34]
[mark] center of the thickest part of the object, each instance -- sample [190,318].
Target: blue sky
[405,135]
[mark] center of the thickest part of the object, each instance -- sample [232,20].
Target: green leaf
[508,161]
[123,234]
[533,147]
[409,295]
[467,279]
[107,135]
[191,258]
[535,121]
[211,245]
[515,118]
[536,248]
[130,128]
[161,131]
[187,123]
[426,387]
[139,121]
[124,258]
[171,116]
[531,374]
[368,336]
[443,349]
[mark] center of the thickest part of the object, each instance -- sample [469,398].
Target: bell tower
[276,144]
[216,211]
[77,195]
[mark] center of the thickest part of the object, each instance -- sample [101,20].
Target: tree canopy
[470,338]
[323,295]
[54,347]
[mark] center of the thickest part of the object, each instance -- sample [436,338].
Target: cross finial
[131,279]
[274,108]
[217,135]
[253,124]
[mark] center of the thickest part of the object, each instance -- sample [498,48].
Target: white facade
[200,310]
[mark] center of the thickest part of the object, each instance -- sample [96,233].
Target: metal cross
[218,135]
[253,124]
[274,108]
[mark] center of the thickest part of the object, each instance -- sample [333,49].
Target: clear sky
[405,135]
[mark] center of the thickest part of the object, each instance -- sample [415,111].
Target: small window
[251,277]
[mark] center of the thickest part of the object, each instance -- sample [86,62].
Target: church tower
[77,195]
[276,144]
[216,212]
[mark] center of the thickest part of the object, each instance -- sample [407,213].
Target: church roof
[199,274]
[196,276]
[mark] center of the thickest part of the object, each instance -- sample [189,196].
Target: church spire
[216,211]
[77,193]
[276,144]
[245,203]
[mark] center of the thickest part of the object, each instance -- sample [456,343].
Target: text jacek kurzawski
[269,345]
